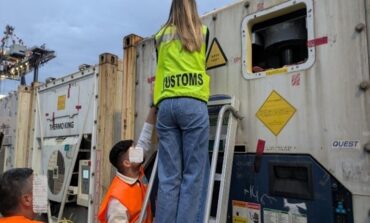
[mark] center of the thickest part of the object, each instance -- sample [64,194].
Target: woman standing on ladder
[181,94]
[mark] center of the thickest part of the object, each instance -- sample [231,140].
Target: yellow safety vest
[179,73]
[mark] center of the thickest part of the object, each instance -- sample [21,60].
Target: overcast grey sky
[81,30]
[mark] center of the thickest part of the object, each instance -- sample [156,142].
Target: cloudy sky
[81,30]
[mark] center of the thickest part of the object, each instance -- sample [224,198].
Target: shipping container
[8,120]
[65,135]
[300,71]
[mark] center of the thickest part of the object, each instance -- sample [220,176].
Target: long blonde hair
[184,16]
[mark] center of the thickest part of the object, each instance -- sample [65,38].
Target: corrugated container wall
[8,117]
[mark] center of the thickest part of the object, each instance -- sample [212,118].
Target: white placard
[275,216]
[40,194]
[85,174]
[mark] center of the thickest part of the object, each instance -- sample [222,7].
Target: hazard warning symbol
[216,56]
[275,112]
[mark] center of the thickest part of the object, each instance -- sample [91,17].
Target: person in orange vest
[16,199]
[125,197]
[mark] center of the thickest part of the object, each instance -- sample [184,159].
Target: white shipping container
[8,124]
[65,133]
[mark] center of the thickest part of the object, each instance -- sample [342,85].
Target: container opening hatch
[294,181]
[275,39]
[280,41]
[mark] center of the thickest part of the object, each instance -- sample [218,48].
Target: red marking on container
[237,59]
[260,147]
[259,152]
[151,79]
[296,80]
[69,90]
[260,6]
[317,42]
[78,107]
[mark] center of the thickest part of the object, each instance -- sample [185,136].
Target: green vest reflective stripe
[179,73]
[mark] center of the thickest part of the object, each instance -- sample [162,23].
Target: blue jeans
[183,161]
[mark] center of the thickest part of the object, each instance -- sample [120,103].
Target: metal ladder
[149,190]
[231,106]
[227,104]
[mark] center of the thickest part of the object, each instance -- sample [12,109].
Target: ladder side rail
[215,152]
[223,197]
[149,190]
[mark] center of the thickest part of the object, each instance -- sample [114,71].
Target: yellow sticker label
[246,212]
[216,56]
[277,71]
[237,219]
[275,112]
[61,102]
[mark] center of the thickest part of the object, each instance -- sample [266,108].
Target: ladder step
[217,177]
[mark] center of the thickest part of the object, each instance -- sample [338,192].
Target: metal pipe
[23,80]
[36,73]
[215,156]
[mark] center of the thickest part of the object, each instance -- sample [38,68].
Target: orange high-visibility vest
[131,196]
[17,219]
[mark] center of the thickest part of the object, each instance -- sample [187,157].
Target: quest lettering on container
[345,144]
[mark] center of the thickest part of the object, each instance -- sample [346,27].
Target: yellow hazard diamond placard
[275,112]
